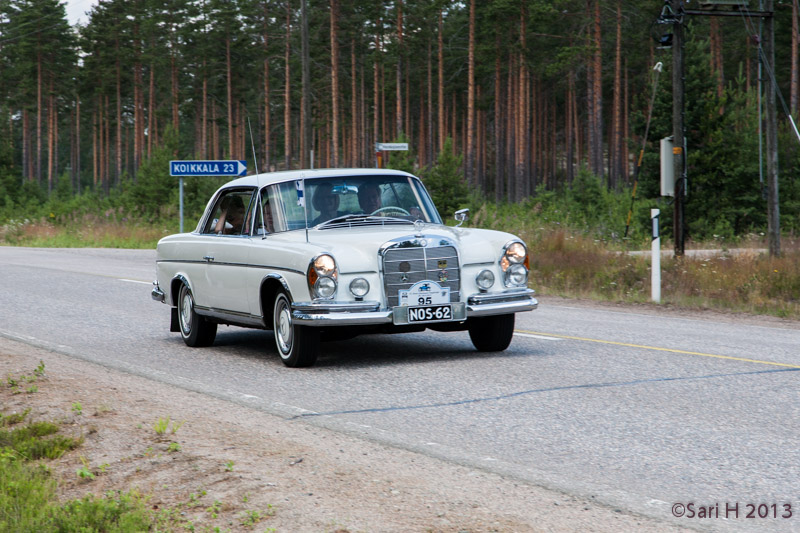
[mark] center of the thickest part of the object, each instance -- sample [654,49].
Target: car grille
[402,267]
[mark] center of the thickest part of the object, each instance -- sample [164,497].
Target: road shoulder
[297,477]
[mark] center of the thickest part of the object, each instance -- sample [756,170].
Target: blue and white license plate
[430,313]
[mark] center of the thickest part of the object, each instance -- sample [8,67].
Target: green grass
[28,492]
[85,231]
[37,440]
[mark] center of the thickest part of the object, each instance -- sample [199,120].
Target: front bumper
[371,312]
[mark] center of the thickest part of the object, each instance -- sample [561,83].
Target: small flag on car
[301,200]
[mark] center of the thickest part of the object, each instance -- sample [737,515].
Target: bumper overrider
[157,294]
[370,312]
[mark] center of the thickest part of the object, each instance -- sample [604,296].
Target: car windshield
[369,199]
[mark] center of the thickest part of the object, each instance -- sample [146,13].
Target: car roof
[268,178]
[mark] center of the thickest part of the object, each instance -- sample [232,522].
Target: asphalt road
[642,411]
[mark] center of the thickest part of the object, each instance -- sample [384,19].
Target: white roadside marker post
[655,275]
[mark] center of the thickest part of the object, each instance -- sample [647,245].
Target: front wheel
[491,333]
[195,329]
[297,345]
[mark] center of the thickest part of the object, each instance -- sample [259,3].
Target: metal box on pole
[667,168]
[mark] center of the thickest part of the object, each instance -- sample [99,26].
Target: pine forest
[532,97]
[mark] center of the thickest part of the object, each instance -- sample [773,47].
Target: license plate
[430,313]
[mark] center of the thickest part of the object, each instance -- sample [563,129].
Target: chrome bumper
[500,303]
[339,314]
[157,294]
[370,313]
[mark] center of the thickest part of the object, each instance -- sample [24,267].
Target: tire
[196,330]
[297,345]
[491,333]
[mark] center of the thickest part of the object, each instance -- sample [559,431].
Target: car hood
[356,248]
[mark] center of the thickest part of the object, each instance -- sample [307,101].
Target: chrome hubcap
[283,331]
[186,313]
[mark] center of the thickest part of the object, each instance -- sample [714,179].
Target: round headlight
[484,280]
[325,287]
[325,265]
[516,253]
[359,287]
[517,275]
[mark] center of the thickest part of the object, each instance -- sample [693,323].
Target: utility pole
[679,142]
[773,211]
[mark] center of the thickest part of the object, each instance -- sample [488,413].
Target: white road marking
[540,337]
[135,281]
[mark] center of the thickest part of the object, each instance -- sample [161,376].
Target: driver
[369,197]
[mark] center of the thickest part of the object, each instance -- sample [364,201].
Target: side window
[231,214]
[265,216]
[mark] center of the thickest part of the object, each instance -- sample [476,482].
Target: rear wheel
[297,345]
[196,330]
[491,333]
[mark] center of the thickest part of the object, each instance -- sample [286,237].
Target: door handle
[208,258]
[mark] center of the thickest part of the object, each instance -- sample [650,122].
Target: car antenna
[258,179]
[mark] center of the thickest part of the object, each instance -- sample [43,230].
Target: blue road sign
[207,168]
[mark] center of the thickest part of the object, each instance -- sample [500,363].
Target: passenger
[369,197]
[326,202]
[231,218]
[268,222]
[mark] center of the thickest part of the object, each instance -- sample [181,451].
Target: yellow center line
[657,349]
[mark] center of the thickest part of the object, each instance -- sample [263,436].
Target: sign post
[387,147]
[181,169]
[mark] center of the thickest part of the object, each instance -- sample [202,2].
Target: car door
[227,238]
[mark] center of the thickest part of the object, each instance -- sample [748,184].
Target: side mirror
[461,215]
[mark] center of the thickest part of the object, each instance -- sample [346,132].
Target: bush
[445,181]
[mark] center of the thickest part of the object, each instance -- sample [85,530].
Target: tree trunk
[151,110]
[118,158]
[793,97]
[616,136]
[499,144]
[376,115]
[335,81]
[595,87]
[511,129]
[204,125]
[175,95]
[354,144]
[429,115]
[287,110]
[399,70]
[138,102]
[51,127]
[569,139]
[470,147]
[229,92]
[27,170]
[442,131]
[95,143]
[39,82]
[306,133]
[267,123]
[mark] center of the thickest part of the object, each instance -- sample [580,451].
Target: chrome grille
[402,267]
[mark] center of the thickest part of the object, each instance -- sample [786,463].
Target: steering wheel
[391,210]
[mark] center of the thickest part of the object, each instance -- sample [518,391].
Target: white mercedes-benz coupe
[330,254]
